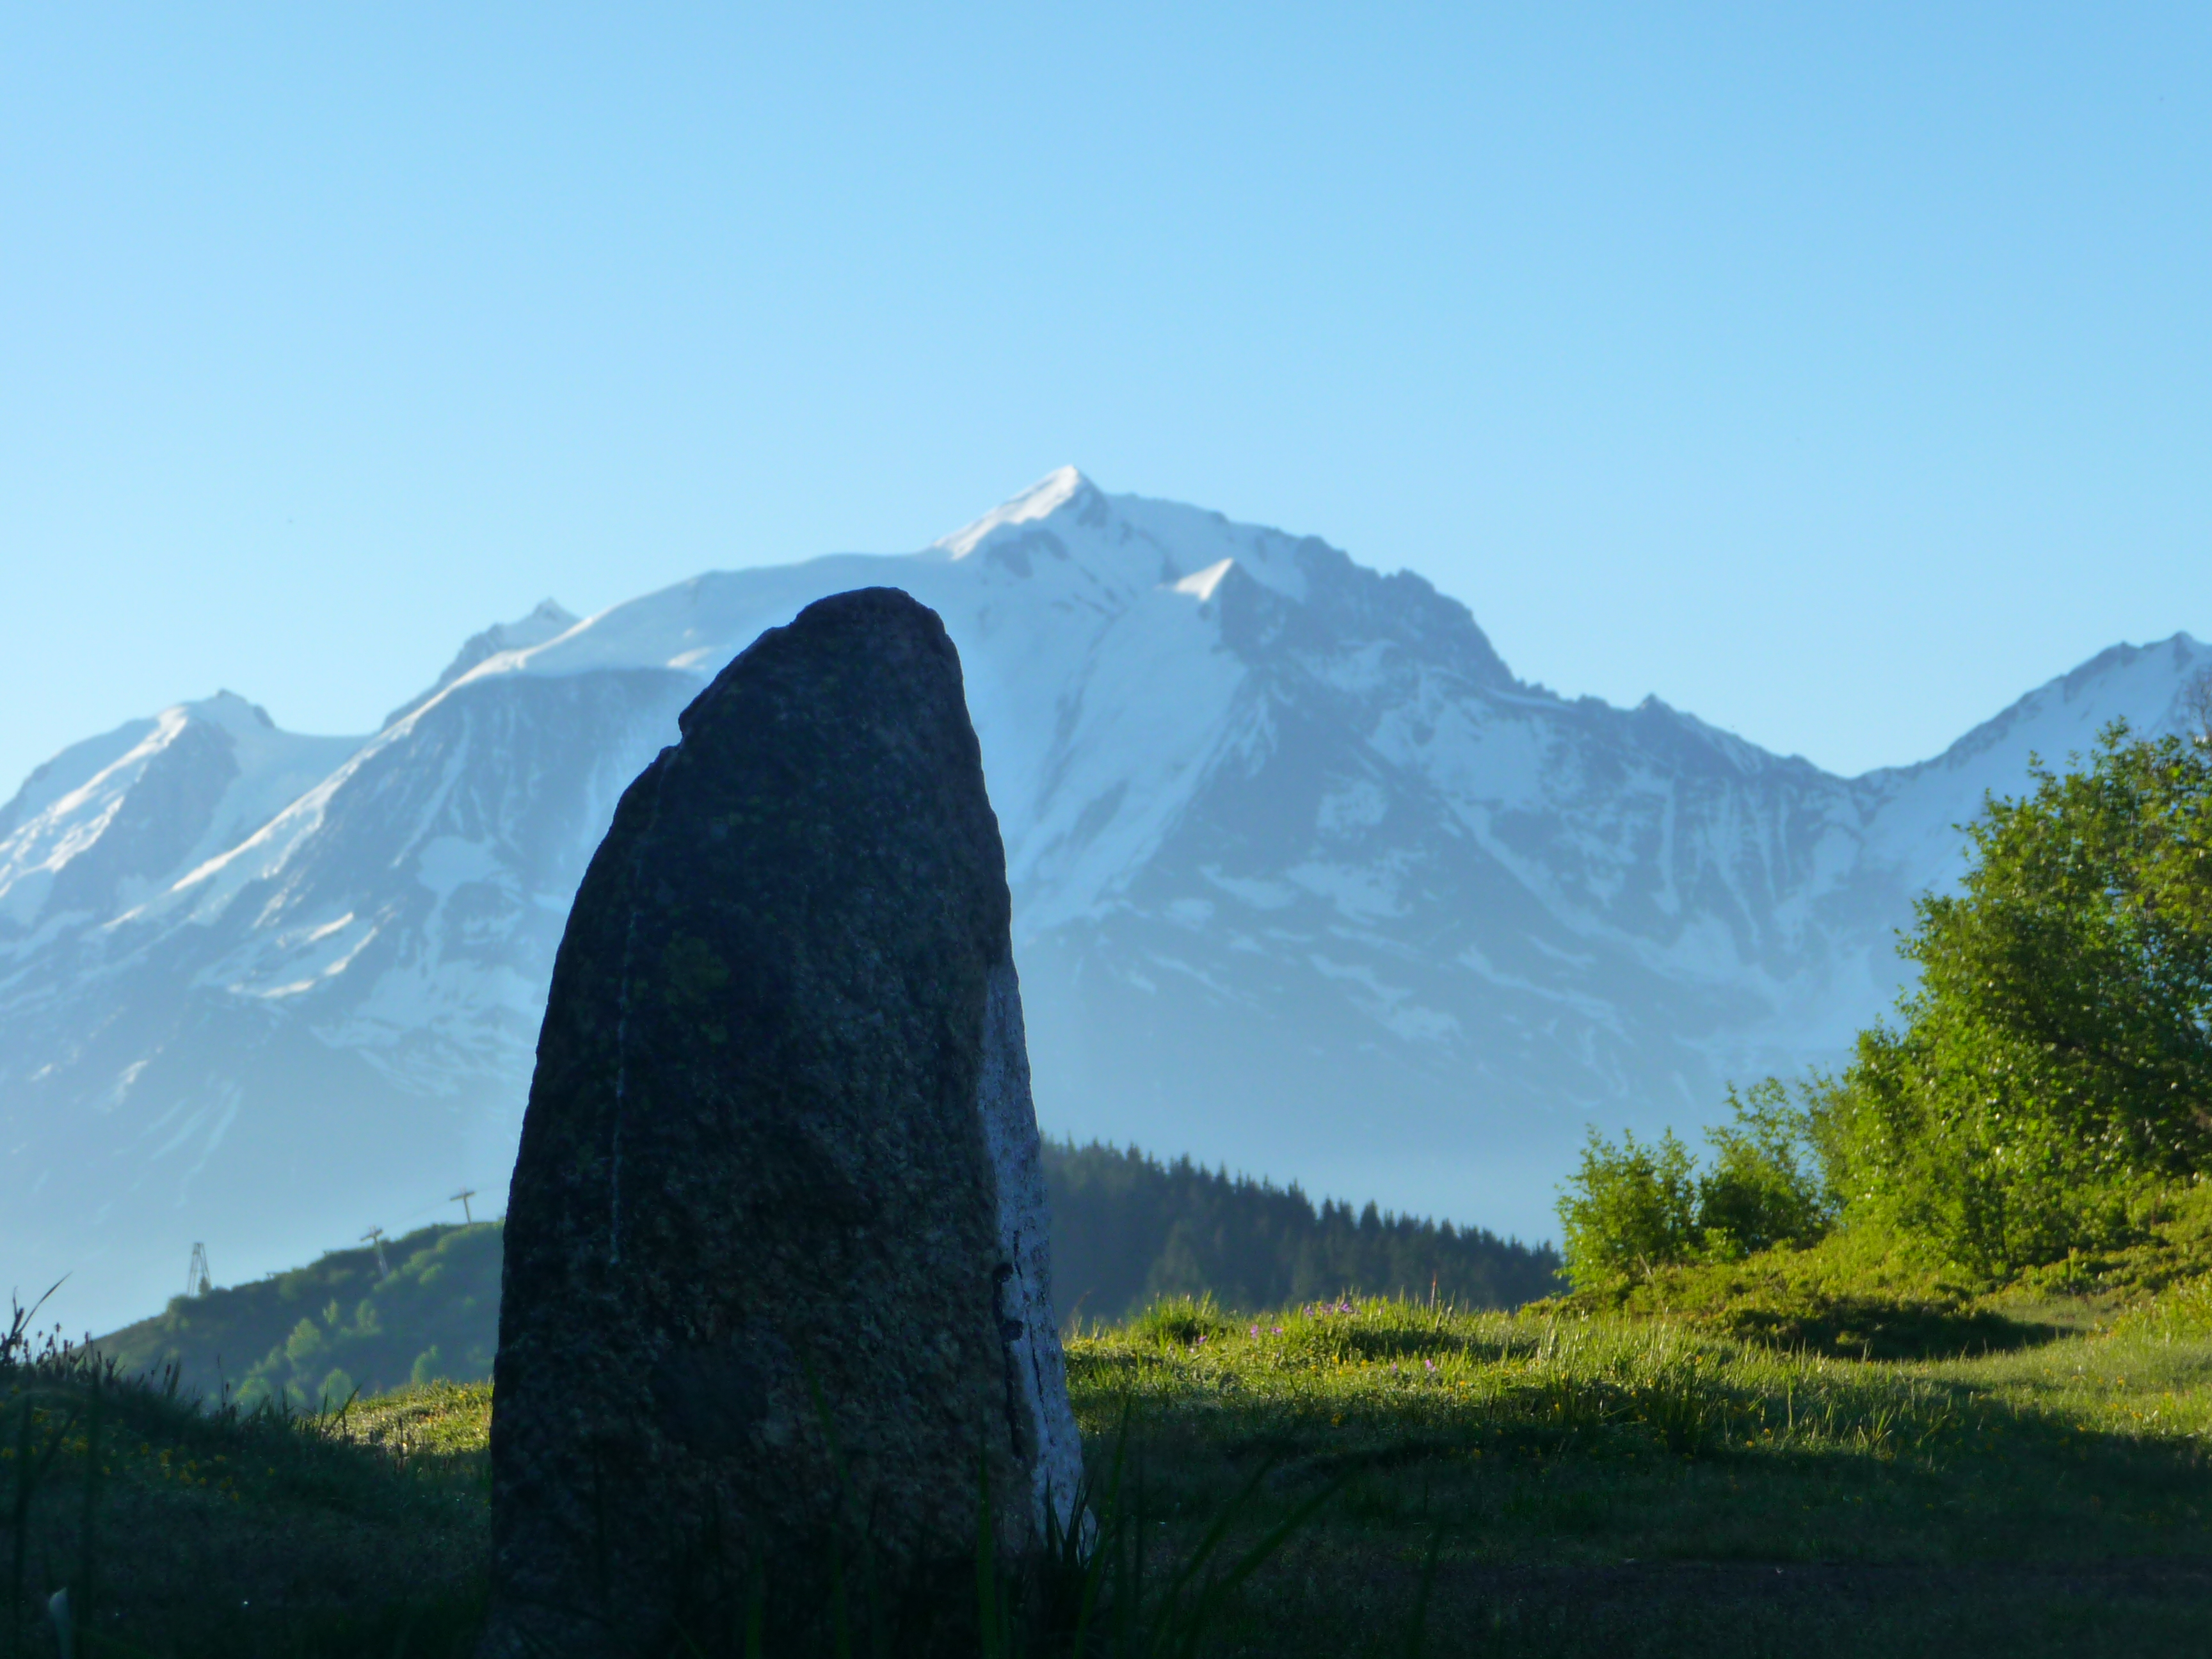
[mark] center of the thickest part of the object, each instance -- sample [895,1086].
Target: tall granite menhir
[777,1282]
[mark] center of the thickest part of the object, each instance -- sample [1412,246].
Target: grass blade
[1417,1632]
[987,1563]
[1219,1590]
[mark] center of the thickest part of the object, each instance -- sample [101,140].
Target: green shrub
[1628,1209]
[1633,1208]
[2181,1313]
[1762,1188]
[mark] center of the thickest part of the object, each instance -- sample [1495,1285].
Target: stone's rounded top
[864,607]
[883,630]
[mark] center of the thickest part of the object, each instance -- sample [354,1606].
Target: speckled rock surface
[776,1278]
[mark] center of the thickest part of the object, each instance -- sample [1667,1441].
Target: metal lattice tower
[375,1235]
[198,1280]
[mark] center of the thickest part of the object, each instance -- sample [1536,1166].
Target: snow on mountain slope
[1304,880]
[1090,633]
[334,1014]
[120,816]
[549,621]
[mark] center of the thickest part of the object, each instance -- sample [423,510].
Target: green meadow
[1554,1481]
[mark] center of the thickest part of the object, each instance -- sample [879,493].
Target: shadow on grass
[1871,1328]
[1943,1525]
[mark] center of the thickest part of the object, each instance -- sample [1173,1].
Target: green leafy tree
[2053,1068]
[305,1342]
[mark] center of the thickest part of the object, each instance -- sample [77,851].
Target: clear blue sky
[1835,372]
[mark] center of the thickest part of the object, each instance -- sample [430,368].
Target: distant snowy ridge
[1305,880]
[115,819]
[549,621]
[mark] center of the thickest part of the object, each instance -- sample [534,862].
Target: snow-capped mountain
[1305,880]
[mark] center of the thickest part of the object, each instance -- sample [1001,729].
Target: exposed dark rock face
[776,1271]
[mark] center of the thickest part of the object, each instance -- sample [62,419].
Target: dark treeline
[1128,1228]
[1125,1228]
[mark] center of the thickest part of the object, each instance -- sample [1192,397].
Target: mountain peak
[229,711]
[549,621]
[550,613]
[1041,499]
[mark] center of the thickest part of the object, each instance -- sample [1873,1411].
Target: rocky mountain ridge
[1305,881]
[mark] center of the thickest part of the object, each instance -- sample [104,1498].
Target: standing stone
[775,1290]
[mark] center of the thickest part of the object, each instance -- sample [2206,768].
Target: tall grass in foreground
[1366,1478]
[326,1521]
[144,1520]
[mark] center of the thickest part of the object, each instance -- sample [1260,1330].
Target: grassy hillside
[321,1331]
[1125,1229]
[1557,1482]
